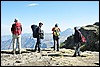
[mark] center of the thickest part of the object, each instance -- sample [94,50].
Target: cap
[40,23]
[16,20]
[56,25]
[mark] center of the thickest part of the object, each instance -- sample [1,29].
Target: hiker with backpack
[37,33]
[16,31]
[77,41]
[56,34]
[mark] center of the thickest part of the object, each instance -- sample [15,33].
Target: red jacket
[16,28]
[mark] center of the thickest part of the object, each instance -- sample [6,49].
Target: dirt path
[48,57]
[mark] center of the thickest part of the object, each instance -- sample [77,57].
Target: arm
[12,28]
[59,30]
[53,29]
[21,27]
[80,33]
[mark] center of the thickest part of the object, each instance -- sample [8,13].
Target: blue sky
[67,14]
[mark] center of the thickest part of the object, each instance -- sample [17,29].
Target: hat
[16,20]
[40,23]
[56,25]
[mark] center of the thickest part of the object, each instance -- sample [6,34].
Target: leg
[14,44]
[54,44]
[36,45]
[78,49]
[39,44]
[19,43]
[75,50]
[57,44]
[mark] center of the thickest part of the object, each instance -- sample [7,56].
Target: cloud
[33,4]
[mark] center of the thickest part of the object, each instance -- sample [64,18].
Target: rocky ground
[48,57]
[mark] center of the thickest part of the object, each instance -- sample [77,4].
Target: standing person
[56,34]
[77,40]
[39,32]
[16,30]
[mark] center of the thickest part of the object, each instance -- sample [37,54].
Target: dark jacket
[39,31]
[77,36]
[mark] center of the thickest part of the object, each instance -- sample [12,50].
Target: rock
[91,33]
[53,58]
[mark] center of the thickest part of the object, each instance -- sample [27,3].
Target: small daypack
[42,34]
[83,39]
[16,28]
[56,31]
[34,29]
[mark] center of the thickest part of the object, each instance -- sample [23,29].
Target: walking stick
[10,44]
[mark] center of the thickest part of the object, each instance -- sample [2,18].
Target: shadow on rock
[32,50]
[11,52]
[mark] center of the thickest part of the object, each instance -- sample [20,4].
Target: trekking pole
[5,44]
[31,42]
[26,41]
[10,45]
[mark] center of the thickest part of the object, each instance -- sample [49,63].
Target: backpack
[16,28]
[56,31]
[83,39]
[34,30]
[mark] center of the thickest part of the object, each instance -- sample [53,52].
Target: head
[56,25]
[40,24]
[16,20]
[75,28]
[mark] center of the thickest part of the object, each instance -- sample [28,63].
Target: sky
[67,14]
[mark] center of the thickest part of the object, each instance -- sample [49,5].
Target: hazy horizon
[67,14]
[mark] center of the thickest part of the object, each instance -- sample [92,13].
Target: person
[56,34]
[16,31]
[77,41]
[39,31]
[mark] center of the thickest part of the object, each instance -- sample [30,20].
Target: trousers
[16,40]
[38,44]
[77,49]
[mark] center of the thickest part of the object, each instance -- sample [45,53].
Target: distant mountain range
[29,42]
[67,32]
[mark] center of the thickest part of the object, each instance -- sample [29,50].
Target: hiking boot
[38,51]
[19,52]
[74,56]
[79,55]
[34,50]
[14,52]
[57,50]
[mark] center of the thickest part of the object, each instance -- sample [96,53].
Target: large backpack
[34,29]
[56,31]
[35,32]
[16,28]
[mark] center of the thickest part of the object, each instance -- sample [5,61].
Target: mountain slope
[91,33]
[29,42]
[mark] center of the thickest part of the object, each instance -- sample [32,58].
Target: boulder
[91,33]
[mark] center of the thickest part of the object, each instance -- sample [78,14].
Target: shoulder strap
[80,33]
